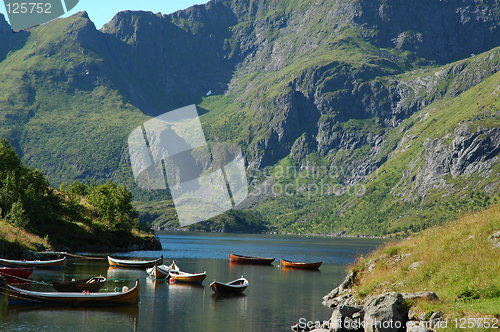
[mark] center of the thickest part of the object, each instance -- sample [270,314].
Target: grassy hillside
[458,261]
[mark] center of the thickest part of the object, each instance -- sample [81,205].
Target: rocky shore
[386,312]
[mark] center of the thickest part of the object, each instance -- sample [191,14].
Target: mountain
[390,105]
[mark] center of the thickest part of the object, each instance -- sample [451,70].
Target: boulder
[429,296]
[385,313]
[349,311]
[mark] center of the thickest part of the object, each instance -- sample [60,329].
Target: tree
[27,188]
[113,205]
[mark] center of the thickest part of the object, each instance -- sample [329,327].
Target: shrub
[17,215]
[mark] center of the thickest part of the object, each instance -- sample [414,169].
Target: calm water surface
[275,299]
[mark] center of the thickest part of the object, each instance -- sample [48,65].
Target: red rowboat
[15,275]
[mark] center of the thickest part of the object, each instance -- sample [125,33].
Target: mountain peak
[82,14]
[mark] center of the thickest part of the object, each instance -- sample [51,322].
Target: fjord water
[275,299]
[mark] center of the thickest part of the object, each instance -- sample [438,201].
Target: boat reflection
[223,297]
[122,318]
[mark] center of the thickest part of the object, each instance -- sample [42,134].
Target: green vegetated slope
[61,105]
[458,261]
[36,217]
[340,86]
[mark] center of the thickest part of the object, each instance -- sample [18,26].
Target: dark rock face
[440,30]
[10,41]
[4,26]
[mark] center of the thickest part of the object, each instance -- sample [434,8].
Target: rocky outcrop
[470,150]
[384,312]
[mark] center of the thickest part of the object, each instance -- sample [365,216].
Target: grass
[11,236]
[457,261]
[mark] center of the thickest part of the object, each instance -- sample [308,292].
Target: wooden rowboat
[115,262]
[233,258]
[300,265]
[179,276]
[36,263]
[23,296]
[158,271]
[162,271]
[15,274]
[234,287]
[90,284]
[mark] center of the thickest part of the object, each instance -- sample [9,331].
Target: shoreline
[334,235]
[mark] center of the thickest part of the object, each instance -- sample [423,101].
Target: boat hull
[223,288]
[239,259]
[121,263]
[158,272]
[37,264]
[25,297]
[300,265]
[189,278]
[14,274]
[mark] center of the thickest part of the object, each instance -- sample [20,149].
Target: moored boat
[233,258]
[23,296]
[300,265]
[33,263]
[127,263]
[185,277]
[90,284]
[15,274]
[158,271]
[162,271]
[233,287]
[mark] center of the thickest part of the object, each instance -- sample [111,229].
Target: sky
[102,11]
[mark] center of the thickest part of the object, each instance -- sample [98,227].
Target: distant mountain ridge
[336,84]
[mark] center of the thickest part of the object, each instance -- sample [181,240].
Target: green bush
[17,215]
